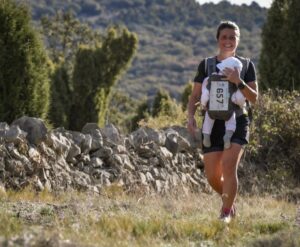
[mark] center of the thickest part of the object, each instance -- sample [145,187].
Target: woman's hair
[228,24]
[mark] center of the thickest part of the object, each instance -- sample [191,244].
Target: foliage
[61,97]
[25,68]
[280,46]
[122,110]
[65,33]
[162,104]
[283,239]
[174,35]
[275,142]
[142,113]
[292,45]
[96,72]
[185,95]
[88,65]
[165,112]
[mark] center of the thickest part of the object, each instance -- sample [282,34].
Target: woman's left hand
[232,75]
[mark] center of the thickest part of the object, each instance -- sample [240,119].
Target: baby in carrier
[237,98]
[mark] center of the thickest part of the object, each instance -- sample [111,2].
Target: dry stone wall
[59,159]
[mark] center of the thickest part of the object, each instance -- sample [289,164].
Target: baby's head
[230,62]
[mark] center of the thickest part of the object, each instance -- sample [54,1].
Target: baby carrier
[220,105]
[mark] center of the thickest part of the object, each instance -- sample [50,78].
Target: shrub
[275,135]
[25,67]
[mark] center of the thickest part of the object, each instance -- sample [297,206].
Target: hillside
[174,35]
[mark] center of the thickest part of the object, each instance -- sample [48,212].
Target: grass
[119,219]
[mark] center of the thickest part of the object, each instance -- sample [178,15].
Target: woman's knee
[229,170]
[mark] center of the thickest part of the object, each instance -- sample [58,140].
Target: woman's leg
[230,160]
[213,170]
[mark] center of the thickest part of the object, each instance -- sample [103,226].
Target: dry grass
[119,219]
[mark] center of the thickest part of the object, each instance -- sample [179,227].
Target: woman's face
[228,40]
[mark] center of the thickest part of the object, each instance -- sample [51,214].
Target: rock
[15,167]
[144,135]
[3,128]
[83,141]
[95,162]
[59,143]
[158,186]
[104,152]
[34,155]
[143,178]
[172,140]
[95,132]
[111,134]
[73,152]
[166,153]
[34,127]
[14,135]
[148,160]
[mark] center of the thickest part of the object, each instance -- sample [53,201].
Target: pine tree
[162,104]
[143,112]
[60,97]
[96,72]
[64,34]
[274,60]
[292,45]
[24,65]
[186,95]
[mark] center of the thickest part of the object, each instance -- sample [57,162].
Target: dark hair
[228,24]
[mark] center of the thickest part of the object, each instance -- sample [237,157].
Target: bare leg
[230,160]
[213,170]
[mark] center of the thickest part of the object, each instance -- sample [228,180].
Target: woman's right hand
[192,125]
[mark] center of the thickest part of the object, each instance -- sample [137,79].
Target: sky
[262,3]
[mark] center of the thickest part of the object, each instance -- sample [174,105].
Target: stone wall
[59,159]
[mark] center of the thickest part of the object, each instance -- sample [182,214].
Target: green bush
[61,97]
[24,65]
[96,72]
[275,134]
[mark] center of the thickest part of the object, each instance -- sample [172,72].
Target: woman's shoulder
[246,61]
[243,58]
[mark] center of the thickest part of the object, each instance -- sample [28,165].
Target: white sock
[206,140]
[227,138]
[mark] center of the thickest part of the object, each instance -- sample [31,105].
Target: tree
[24,65]
[186,95]
[96,72]
[61,97]
[278,65]
[162,104]
[143,112]
[64,35]
[292,45]
[122,109]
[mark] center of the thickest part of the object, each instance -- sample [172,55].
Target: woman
[221,165]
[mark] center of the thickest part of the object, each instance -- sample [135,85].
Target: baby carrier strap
[245,62]
[246,110]
[211,62]
[210,68]
[210,65]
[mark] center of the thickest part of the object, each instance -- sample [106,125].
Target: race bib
[219,96]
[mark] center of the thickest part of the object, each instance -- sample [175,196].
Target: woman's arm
[249,90]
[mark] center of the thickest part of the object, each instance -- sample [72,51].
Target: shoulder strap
[245,62]
[210,65]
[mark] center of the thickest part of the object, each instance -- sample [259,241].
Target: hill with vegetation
[174,35]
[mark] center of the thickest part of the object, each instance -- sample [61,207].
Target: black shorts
[240,136]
